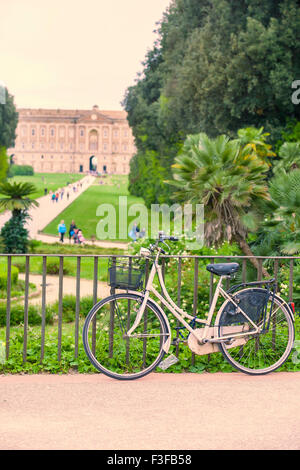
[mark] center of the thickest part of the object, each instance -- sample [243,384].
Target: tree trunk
[247,251]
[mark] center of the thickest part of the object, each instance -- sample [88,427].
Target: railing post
[178,300]
[26,308]
[77,308]
[291,280]
[112,320]
[60,306]
[43,308]
[95,296]
[8,306]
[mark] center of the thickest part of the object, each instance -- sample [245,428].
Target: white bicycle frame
[181,314]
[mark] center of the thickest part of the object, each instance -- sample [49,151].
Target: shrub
[86,303]
[17,315]
[20,170]
[53,266]
[69,307]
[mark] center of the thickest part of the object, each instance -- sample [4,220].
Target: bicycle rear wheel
[109,348]
[257,353]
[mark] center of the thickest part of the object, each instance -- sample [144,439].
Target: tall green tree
[16,198]
[229,180]
[8,124]
[8,121]
[217,66]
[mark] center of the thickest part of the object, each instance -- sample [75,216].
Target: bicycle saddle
[223,269]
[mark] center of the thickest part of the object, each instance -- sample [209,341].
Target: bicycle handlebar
[162,238]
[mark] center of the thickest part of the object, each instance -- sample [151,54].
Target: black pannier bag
[254,302]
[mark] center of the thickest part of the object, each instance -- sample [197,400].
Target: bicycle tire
[261,347]
[101,363]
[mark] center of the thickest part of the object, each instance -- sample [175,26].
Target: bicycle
[127,334]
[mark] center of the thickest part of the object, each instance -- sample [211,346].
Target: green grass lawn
[51,181]
[84,209]
[70,263]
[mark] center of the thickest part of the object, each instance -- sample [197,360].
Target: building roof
[80,114]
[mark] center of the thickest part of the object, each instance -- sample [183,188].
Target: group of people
[75,233]
[59,193]
[136,233]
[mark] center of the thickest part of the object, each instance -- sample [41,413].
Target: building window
[125,133]
[104,147]
[61,146]
[42,131]
[32,146]
[81,132]
[61,132]
[42,156]
[93,140]
[116,133]
[52,131]
[32,131]
[105,133]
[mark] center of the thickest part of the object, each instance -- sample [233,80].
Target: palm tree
[16,198]
[229,180]
[254,140]
[289,157]
[284,210]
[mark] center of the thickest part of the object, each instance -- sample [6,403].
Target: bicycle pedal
[169,361]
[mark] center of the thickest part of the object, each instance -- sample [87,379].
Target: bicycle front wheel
[108,346]
[262,352]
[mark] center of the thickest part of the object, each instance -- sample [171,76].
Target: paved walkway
[158,412]
[69,287]
[102,244]
[47,211]
[41,216]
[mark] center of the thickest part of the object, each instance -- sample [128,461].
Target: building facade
[73,141]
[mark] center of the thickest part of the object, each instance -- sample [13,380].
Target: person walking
[72,230]
[62,230]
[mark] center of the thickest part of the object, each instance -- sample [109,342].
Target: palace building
[73,141]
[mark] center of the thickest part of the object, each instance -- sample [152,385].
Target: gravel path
[69,287]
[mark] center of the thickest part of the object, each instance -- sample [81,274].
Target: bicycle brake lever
[166,244]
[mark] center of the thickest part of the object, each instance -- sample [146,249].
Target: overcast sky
[74,53]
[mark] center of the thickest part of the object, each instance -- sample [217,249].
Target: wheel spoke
[117,354]
[263,351]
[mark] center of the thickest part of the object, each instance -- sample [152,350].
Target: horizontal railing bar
[138,256]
